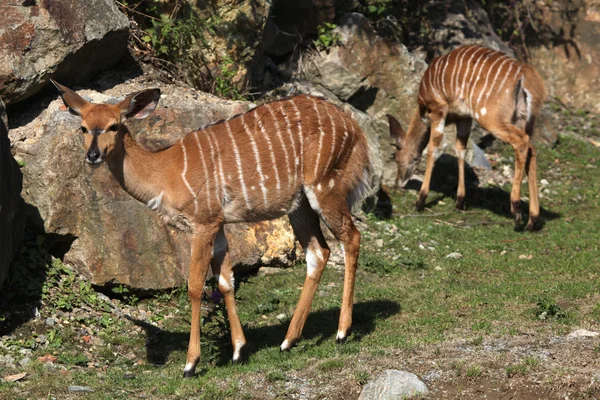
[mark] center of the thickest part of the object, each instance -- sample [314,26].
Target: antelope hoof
[237,353]
[532,225]
[286,345]
[341,337]
[420,204]
[190,370]
[460,203]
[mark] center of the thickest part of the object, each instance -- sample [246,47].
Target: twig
[525,238]
[136,11]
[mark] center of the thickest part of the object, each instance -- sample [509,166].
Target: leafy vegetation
[327,37]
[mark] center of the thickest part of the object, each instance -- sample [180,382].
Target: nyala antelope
[502,94]
[302,156]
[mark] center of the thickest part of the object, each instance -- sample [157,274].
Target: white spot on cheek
[331,183]
[483,111]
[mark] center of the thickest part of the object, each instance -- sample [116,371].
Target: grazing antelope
[301,156]
[502,94]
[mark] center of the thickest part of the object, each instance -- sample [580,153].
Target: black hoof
[460,203]
[341,340]
[420,204]
[532,225]
[189,374]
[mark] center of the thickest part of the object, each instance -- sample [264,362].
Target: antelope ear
[72,100]
[396,131]
[140,104]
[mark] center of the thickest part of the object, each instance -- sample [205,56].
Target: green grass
[410,301]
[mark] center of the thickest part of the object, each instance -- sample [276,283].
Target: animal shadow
[322,325]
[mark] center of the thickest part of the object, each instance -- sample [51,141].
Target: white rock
[456,255]
[280,316]
[544,182]
[379,242]
[393,384]
[582,333]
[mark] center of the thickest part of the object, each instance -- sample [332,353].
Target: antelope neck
[137,170]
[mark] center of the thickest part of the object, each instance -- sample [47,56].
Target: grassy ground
[489,320]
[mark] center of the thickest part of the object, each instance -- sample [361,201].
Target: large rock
[392,384]
[569,61]
[67,39]
[12,211]
[118,239]
[375,75]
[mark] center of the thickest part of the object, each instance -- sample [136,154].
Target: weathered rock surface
[374,75]
[68,39]
[12,211]
[118,240]
[393,384]
[570,62]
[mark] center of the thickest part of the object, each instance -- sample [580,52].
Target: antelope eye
[113,127]
[83,129]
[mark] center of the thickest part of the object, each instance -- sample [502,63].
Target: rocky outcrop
[569,60]
[118,240]
[12,211]
[69,39]
[372,74]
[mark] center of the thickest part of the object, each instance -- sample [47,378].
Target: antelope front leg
[202,245]
[463,130]
[223,272]
[438,121]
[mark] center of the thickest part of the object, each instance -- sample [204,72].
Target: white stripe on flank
[434,77]
[214,168]
[185,179]
[487,96]
[300,137]
[332,142]
[343,118]
[487,76]
[221,173]
[289,132]
[457,64]
[527,100]
[466,75]
[443,75]
[238,161]
[320,137]
[283,146]
[474,82]
[271,152]
[261,181]
[205,171]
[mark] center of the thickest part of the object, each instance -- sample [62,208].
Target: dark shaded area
[319,324]
[21,294]
[444,180]
[363,98]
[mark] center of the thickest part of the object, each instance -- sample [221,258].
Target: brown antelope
[300,156]
[502,94]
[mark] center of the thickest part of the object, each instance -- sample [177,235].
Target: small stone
[128,375]
[80,389]
[393,384]
[544,182]
[25,361]
[379,242]
[438,268]
[455,255]
[50,321]
[280,316]
[503,252]
[582,333]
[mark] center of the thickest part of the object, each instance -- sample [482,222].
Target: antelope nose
[93,156]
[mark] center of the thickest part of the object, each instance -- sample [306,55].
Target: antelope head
[102,124]
[407,154]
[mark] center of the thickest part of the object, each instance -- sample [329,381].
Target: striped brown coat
[300,156]
[502,94]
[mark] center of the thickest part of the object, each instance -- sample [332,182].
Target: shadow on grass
[444,180]
[321,325]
